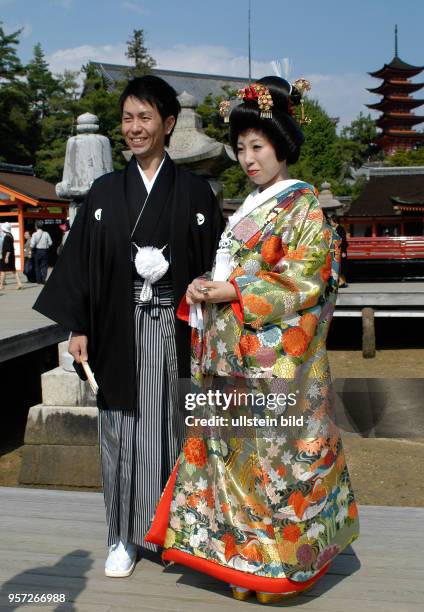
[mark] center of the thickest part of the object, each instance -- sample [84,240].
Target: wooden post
[368,333]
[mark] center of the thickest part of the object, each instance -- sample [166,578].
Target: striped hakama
[139,448]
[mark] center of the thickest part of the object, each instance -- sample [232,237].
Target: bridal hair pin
[262,96]
[224,110]
[257,93]
[301,86]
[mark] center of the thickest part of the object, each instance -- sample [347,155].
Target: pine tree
[41,83]
[319,160]
[139,54]
[10,65]
[14,103]
[57,126]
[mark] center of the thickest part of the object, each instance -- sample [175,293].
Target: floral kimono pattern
[277,504]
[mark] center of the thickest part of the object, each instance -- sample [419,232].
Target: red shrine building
[398,119]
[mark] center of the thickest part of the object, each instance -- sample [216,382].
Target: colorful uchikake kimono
[266,511]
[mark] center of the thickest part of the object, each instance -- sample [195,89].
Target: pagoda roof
[396,67]
[393,138]
[395,102]
[382,193]
[390,86]
[397,119]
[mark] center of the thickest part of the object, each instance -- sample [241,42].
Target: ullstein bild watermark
[225,401]
[243,421]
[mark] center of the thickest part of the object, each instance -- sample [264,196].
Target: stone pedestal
[61,438]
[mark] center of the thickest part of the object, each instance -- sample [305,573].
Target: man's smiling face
[143,128]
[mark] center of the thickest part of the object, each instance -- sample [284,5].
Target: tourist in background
[29,270]
[335,223]
[40,243]
[264,508]
[7,262]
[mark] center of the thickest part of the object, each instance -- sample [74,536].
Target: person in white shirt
[40,243]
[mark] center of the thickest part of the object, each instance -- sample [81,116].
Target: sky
[333,43]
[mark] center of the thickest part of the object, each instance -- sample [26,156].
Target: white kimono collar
[257,198]
[149,184]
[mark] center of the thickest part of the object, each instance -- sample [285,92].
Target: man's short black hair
[156,92]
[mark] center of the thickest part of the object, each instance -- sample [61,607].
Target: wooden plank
[55,540]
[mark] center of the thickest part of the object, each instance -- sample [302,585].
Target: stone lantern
[88,156]
[328,202]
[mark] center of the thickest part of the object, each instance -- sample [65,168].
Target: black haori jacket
[91,287]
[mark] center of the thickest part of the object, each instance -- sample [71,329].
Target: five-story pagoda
[397,120]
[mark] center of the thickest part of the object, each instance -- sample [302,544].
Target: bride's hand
[215,292]
[193,293]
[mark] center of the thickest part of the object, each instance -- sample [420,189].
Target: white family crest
[98,214]
[200,218]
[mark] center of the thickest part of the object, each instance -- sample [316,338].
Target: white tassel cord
[152,266]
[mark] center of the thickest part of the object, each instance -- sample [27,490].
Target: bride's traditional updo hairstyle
[281,129]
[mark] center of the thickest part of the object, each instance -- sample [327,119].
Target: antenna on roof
[396,41]
[249,50]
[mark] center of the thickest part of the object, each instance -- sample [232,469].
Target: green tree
[235,183]
[356,142]
[102,98]
[212,121]
[57,126]
[14,103]
[319,160]
[41,84]
[10,64]
[414,157]
[14,124]
[138,53]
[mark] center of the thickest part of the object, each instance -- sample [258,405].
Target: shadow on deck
[53,543]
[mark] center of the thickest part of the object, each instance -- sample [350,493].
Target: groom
[136,347]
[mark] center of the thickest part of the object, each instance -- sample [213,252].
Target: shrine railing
[390,247]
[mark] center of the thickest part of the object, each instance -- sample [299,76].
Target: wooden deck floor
[22,329]
[53,542]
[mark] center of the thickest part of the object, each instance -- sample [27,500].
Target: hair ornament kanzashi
[300,86]
[260,94]
[224,110]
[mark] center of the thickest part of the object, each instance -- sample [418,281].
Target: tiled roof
[30,186]
[377,198]
[197,84]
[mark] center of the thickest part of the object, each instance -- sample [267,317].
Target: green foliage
[139,54]
[213,123]
[235,183]
[102,99]
[362,130]
[319,160]
[355,143]
[41,84]
[14,125]
[10,65]
[56,127]
[407,158]
[14,102]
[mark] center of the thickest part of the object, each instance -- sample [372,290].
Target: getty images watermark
[224,401]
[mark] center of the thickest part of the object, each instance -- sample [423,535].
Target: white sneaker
[121,560]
